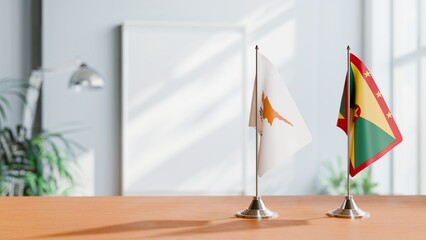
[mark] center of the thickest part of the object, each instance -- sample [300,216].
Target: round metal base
[348,209]
[257,209]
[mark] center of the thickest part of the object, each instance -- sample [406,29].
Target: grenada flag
[373,131]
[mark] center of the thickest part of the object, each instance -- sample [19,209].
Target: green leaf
[17,94]
[2,113]
[5,101]
[30,180]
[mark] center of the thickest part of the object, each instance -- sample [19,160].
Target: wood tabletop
[300,217]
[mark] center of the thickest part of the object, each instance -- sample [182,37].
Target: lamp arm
[49,71]
[33,93]
[30,107]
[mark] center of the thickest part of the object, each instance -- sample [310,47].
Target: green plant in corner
[42,164]
[333,181]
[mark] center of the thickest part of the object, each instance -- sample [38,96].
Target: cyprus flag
[280,125]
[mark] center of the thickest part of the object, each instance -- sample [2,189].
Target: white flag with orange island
[281,127]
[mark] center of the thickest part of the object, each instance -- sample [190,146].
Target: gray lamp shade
[86,77]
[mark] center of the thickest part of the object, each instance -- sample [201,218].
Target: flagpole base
[348,209]
[257,209]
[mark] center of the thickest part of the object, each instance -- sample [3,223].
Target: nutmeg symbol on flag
[281,127]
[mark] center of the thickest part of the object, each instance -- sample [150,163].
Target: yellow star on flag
[378,94]
[389,114]
[367,74]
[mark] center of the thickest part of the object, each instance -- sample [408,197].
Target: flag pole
[348,208]
[257,129]
[257,208]
[348,119]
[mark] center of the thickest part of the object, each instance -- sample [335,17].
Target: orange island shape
[269,112]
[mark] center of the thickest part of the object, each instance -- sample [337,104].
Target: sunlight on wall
[188,100]
[405,103]
[395,51]
[191,145]
[283,36]
[405,27]
[265,13]
[213,46]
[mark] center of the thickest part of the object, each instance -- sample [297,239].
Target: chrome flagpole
[257,208]
[257,127]
[348,208]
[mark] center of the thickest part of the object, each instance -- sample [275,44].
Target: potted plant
[33,165]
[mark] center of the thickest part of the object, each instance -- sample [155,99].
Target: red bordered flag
[373,129]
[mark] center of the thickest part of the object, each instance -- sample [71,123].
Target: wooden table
[300,217]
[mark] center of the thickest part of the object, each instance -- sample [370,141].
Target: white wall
[305,39]
[399,77]
[15,47]
[378,54]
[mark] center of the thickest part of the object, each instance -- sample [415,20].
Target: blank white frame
[173,26]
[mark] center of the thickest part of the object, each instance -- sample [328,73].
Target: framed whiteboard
[183,109]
